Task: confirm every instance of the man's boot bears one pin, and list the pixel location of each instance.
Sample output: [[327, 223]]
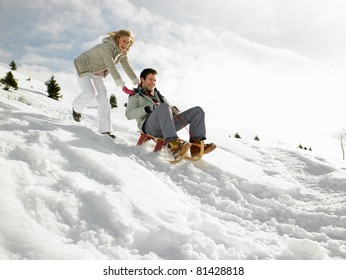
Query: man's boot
[[195, 149], [178, 148]]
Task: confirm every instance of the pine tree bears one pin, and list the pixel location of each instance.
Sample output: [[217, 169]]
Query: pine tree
[[342, 137], [256, 138], [237, 136], [113, 101], [9, 81], [53, 88], [13, 65]]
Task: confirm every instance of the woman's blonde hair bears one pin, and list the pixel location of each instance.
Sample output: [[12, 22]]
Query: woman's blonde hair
[[120, 33]]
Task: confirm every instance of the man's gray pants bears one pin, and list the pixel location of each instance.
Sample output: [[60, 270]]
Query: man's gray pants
[[162, 123]]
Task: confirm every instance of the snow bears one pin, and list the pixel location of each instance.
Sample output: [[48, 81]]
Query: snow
[[68, 192]]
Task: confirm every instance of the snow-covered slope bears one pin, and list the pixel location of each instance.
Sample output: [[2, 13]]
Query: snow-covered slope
[[67, 192]]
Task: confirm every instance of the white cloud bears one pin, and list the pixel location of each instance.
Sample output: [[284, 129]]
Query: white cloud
[[312, 27], [6, 54], [48, 48], [35, 58]]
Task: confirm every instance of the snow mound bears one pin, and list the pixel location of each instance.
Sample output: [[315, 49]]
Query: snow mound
[[69, 193]]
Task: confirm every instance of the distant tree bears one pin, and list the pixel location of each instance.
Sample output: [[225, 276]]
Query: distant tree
[[256, 138], [53, 88], [9, 81], [342, 139], [237, 136], [113, 101], [300, 146], [13, 65]]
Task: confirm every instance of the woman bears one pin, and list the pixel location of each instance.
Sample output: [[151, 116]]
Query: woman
[[93, 66]]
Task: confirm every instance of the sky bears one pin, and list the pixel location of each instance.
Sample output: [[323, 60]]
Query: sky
[[229, 56], [310, 28]]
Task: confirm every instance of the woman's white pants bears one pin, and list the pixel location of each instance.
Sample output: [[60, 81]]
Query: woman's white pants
[[91, 86]]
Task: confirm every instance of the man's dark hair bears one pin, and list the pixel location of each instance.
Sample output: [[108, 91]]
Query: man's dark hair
[[147, 71]]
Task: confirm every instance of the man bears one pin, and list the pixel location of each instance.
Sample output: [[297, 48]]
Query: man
[[156, 117]]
